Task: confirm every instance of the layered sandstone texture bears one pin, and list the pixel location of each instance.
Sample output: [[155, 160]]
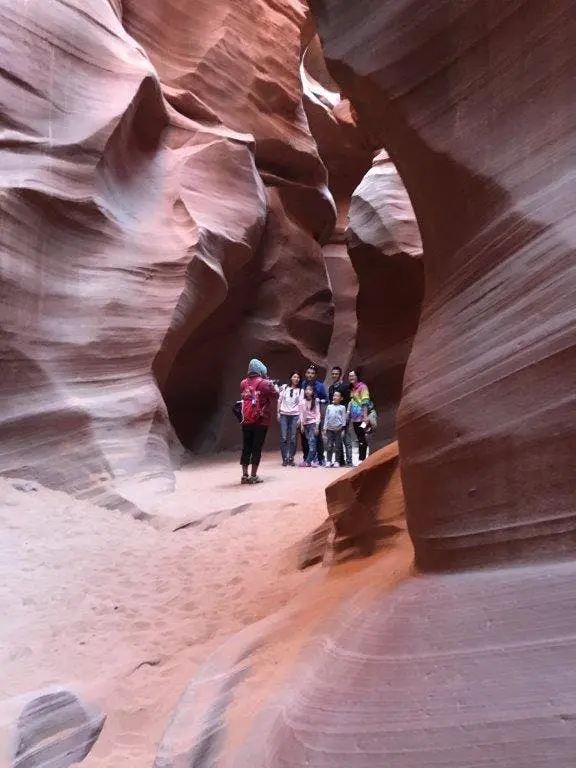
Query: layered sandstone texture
[[365, 510], [385, 250], [473, 101], [163, 205], [374, 254], [347, 157], [480, 126]]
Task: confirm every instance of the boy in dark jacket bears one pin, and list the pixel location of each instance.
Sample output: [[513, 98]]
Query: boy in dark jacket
[[339, 385]]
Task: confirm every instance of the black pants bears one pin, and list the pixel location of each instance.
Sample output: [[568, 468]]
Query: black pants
[[319, 447], [253, 437], [362, 442]]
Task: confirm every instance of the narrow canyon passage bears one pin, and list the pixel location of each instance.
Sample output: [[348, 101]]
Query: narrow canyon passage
[[186, 185]]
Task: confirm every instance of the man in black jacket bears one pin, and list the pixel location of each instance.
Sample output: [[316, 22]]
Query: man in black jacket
[[338, 385]]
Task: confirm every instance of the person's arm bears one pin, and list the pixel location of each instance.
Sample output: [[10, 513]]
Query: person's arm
[[321, 393], [365, 403], [267, 386], [324, 426], [317, 416]]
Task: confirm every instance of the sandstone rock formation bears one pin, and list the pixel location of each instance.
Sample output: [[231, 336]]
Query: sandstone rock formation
[[56, 729], [480, 131], [375, 248], [473, 103], [159, 184], [365, 507], [385, 249], [347, 158]]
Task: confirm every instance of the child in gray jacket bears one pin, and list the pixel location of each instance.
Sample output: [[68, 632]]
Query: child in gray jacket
[[334, 424]]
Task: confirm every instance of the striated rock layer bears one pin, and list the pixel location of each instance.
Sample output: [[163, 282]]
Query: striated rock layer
[[374, 256], [474, 103], [385, 249], [480, 126], [279, 307], [158, 175]]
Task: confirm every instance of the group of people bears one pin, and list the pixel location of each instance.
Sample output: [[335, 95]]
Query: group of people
[[323, 418]]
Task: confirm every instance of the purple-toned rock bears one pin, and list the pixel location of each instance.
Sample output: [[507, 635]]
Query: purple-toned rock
[[386, 251]]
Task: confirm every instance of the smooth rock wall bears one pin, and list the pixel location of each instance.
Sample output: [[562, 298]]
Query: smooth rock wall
[[480, 125], [386, 252], [474, 103], [148, 151]]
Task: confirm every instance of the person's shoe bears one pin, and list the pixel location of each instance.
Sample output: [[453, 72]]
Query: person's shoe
[[245, 480], [291, 462], [255, 480], [303, 464], [315, 464], [284, 462]]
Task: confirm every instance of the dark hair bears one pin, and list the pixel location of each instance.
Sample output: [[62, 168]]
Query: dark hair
[[337, 368], [313, 398], [311, 367], [294, 373], [356, 372]]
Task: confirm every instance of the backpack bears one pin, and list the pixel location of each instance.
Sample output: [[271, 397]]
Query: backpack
[[251, 406], [372, 416], [237, 410]]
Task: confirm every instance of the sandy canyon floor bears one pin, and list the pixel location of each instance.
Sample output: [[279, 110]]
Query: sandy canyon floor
[[125, 611]]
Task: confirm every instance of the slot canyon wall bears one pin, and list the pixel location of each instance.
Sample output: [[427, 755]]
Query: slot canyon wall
[[469, 663], [374, 254], [163, 210], [385, 250], [480, 126]]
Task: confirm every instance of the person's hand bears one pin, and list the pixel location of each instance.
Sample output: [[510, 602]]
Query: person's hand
[[316, 432], [278, 416], [363, 425]]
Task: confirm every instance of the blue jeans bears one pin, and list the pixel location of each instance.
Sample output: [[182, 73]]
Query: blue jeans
[[310, 434], [288, 436]]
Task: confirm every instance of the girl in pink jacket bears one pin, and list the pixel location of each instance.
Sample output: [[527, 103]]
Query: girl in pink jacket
[[309, 423]]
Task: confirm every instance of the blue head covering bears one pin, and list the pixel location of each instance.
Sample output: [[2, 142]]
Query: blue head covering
[[257, 367]]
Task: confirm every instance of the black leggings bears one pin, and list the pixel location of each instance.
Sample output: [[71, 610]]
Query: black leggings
[[361, 437], [253, 437]]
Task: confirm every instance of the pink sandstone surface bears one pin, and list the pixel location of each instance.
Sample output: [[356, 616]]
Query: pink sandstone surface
[[159, 185], [471, 666], [386, 252]]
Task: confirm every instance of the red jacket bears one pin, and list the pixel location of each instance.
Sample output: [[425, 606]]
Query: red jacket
[[267, 396]]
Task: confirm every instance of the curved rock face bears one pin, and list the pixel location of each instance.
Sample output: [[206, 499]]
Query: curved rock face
[[279, 305], [374, 257], [347, 158], [147, 154], [474, 103], [482, 135], [386, 251]]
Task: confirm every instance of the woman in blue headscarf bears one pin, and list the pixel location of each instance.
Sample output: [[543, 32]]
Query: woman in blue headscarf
[[258, 395]]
